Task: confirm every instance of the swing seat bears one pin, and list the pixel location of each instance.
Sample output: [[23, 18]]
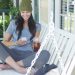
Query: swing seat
[[66, 48]]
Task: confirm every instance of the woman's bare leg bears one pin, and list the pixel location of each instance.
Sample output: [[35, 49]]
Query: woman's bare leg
[[20, 63], [6, 66], [15, 65], [5, 55]]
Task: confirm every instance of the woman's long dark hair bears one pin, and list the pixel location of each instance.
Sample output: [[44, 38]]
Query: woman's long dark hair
[[31, 24]]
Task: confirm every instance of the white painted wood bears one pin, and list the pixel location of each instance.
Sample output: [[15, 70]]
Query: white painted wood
[[67, 51], [67, 68], [57, 12], [66, 47], [59, 45], [53, 72], [61, 49], [9, 72], [71, 66], [65, 42], [43, 32], [33, 7]]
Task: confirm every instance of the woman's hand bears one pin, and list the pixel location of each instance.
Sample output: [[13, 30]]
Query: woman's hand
[[36, 46], [21, 42]]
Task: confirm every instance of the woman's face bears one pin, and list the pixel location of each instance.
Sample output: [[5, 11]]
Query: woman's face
[[26, 15]]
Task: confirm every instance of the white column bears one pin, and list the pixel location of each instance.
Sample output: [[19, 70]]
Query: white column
[[68, 15], [3, 14], [50, 9], [14, 2], [20, 1], [39, 9], [57, 12], [33, 7], [74, 16]]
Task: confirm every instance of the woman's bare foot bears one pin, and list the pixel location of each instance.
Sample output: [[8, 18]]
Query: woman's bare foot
[[21, 70], [4, 66]]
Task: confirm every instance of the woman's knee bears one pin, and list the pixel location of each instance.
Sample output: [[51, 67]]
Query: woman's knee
[[45, 55], [42, 59]]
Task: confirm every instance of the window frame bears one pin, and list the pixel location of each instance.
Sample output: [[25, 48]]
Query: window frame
[[68, 15]]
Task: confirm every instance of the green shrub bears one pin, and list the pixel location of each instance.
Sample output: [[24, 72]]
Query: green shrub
[[5, 4], [7, 20]]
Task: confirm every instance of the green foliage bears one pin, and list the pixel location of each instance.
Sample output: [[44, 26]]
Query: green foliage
[[7, 20], [8, 4], [14, 11], [5, 4], [1, 30]]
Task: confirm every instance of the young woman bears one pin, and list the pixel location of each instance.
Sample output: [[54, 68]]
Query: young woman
[[17, 49]]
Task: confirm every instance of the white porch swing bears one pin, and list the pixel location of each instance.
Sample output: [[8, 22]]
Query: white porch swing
[[61, 46]]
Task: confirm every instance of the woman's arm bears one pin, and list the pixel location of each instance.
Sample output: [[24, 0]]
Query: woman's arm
[[37, 34], [36, 41], [7, 40], [36, 38], [9, 43], [8, 34]]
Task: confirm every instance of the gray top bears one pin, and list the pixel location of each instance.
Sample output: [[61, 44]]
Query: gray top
[[25, 33]]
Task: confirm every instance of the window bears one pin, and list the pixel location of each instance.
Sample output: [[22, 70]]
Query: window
[[67, 15], [41, 8]]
